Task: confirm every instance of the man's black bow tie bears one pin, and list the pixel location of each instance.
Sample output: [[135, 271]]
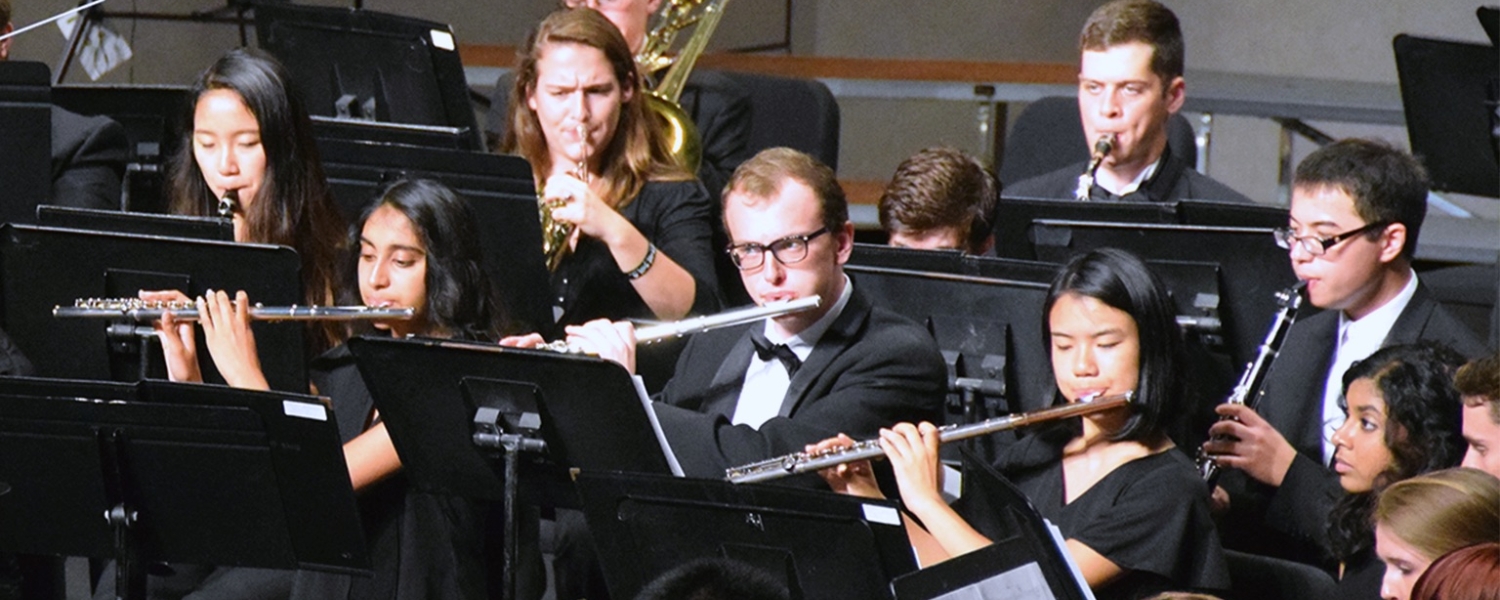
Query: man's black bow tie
[[766, 351]]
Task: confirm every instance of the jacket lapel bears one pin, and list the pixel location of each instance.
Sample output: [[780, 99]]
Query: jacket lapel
[[724, 390], [840, 336]]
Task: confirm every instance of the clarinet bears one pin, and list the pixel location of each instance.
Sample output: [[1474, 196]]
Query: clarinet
[[1251, 386]]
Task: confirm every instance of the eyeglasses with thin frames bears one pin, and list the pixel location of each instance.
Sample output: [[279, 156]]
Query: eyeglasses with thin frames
[[1316, 246], [788, 250]]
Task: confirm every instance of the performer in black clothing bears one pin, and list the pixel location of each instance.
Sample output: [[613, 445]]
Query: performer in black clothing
[[718, 106], [88, 153], [1131, 507], [747, 393], [418, 248], [88, 160], [1357, 208], [850, 366], [1129, 85], [248, 132], [1403, 420], [584, 128]]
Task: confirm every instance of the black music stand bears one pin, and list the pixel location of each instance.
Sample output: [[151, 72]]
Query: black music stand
[[1252, 267], [1025, 560], [26, 145], [1450, 91], [450, 406], [370, 65], [182, 472], [910, 259], [501, 191], [114, 221], [989, 331], [1014, 217], [43, 267], [822, 545], [1230, 214]]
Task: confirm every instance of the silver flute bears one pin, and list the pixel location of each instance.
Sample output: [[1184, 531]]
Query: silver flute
[[142, 311], [647, 334], [1102, 148], [804, 462]]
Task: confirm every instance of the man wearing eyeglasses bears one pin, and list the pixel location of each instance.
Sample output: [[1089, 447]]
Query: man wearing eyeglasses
[[1357, 207], [747, 393]]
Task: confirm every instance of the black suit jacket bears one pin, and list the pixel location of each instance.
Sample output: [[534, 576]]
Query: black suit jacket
[[1293, 404], [88, 160], [871, 369], [1174, 180]]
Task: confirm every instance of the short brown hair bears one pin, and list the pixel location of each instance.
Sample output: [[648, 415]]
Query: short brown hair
[[4, 12], [762, 175], [1479, 383], [941, 187], [1145, 21], [1387, 184]]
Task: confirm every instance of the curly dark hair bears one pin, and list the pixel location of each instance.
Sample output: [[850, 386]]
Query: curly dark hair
[[1424, 430], [461, 300]]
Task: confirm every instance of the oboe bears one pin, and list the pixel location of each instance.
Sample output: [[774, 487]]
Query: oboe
[[803, 462], [141, 311], [1102, 148], [664, 331], [1251, 386]]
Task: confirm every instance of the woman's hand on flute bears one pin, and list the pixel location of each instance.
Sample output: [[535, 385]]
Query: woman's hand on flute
[[852, 478], [179, 344], [226, 330], [913, 452], [577, 203], [610, 340]]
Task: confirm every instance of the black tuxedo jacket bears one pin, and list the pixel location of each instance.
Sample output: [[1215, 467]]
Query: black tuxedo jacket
[[871, 369], [1174, 180], [1293, 404], [88, 160]]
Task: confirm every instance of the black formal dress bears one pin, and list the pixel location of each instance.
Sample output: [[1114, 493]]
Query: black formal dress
[[1290, 521], [1149, 516], [1173, 180], [88, 160], [673, 215]]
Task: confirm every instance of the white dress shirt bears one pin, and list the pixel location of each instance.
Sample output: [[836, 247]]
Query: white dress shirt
[[766, 381], [1357, 340]]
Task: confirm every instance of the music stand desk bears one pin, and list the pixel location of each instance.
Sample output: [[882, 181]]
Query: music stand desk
[[201, 474], [823, 545]]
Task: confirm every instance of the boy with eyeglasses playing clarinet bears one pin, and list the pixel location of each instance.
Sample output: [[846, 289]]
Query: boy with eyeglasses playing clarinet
[[1357, 207]]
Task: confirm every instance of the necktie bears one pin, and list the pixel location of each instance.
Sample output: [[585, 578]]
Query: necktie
[[766, 351]]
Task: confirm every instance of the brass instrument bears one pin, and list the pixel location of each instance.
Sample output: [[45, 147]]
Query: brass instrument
[[555, 233], [142, 311], [1102, 148], [664, 331], [803, 462], [676, 15], [1248, 390]]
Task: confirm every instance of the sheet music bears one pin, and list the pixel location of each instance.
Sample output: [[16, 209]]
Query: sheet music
[[1062, 547], [661, 438], [1025, 581]]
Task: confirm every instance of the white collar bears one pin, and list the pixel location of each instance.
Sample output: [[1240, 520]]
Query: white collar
[[1373, 327], [802, 343]]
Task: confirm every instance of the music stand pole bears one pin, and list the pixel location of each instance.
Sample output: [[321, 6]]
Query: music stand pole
[[487, 435]]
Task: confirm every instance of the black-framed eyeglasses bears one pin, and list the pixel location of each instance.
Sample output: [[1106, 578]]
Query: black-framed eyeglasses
[[788, 250], [1316, 246]]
